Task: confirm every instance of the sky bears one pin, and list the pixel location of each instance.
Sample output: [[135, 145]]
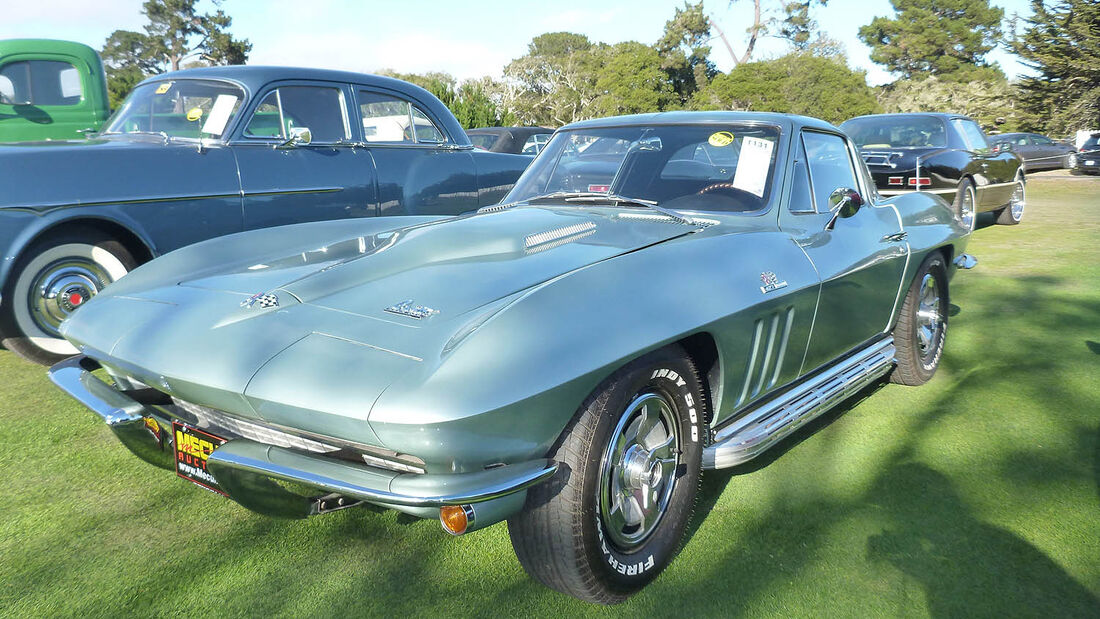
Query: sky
[[465, 39]]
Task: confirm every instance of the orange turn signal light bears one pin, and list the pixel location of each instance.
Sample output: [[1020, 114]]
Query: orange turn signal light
[[454, 519]]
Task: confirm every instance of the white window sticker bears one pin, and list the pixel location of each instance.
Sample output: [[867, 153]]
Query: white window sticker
[[219, 114], [753, 165]]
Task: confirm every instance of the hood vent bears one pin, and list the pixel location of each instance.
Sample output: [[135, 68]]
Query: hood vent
[[558, 236]]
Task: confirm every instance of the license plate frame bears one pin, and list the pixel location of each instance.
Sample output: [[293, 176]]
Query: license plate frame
[[192, 447]]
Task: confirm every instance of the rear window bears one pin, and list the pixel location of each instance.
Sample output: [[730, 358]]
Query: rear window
[[896, 132], [39, 82], [1092, 143]]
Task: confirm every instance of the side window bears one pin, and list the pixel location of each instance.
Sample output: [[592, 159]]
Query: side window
[[830, 166], [426, 131], [1022, 140], [40, 82], [535, 143], [391, 119], [973, 135], [1042, 140], [319, 109], [802, 198]]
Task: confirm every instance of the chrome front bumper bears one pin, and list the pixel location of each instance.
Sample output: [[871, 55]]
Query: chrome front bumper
[[250, 472]]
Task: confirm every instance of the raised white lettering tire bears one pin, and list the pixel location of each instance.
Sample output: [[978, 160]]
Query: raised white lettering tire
[[615, 513]]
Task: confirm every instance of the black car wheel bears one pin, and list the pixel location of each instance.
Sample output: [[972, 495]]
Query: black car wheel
[[630, 462], [1013, 212], [53, 278], [1070, 161], [966, 204], [921, 328]]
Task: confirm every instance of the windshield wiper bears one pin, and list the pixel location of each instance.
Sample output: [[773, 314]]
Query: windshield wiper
[[619, 199]]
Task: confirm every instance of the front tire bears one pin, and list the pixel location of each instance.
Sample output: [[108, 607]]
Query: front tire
[[55, 276], [921, 329], [614, 515]]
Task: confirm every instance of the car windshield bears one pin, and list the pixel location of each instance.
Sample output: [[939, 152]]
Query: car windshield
[[896, 132], [186, 108], [681, 167]]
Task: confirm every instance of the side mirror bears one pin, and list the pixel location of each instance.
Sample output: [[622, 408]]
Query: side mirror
[[299, 136], [843, 203]]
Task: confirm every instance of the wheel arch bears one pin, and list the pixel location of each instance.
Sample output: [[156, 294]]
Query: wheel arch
[[138, 246], [703, 350]]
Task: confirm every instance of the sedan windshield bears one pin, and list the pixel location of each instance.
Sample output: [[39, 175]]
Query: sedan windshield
[[896, 132], [681, 167], [178, 108]]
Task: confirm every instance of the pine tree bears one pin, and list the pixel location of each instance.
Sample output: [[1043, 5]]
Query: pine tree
[[1062, 43]]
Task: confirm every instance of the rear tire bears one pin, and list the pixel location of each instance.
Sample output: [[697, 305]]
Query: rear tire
[[1070, 161], [921, 329], [614, 515], [1012, 213], [54, 277], [966, 204]]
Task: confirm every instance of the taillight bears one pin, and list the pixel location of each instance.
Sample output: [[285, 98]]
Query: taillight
[[920, 182], [896, 180]]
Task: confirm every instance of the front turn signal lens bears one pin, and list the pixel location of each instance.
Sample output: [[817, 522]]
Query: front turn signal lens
[[454, 519]]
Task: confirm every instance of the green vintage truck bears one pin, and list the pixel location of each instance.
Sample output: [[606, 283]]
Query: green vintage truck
[[50, 90]]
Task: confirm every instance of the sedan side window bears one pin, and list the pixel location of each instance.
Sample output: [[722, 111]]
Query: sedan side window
[[391, 119], [321, 110], [830, 166]]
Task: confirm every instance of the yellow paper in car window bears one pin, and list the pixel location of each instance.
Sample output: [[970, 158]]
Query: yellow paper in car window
[[721, 138], [753, 165], [163, 88], [194, 114]]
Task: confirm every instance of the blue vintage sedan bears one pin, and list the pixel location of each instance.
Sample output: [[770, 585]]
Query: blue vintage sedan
[[206, 152]]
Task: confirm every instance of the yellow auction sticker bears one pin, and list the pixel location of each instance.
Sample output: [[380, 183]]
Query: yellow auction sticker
[[721, 138], [194, 114], [163, 88]]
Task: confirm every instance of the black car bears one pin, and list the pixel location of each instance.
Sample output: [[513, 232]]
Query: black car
[[516, 140], [1088, 160], [946, 154], [1038, 151]]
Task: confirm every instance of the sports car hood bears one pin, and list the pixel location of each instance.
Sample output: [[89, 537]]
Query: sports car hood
[[385, 298]]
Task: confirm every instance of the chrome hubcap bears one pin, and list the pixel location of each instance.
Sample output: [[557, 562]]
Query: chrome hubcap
[[1018, 201], [60, 288], [1071, 161], [929, 317], [966, 209], [638, 471]]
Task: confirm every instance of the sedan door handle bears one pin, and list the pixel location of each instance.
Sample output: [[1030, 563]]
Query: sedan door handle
[[896, 237]]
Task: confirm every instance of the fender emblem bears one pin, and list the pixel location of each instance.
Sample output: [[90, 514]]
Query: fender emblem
[[771, 282], [264, 300], [408, 308]]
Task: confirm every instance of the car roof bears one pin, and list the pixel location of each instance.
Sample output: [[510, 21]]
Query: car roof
[[940, 115], [255, 77], [703, 118]]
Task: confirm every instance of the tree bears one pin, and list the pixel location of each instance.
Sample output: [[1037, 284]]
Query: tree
[[945, 38], [797, 27], [756, 30], [993, 103], [1062, 43], [555, 82], [175, 34], [475, 103], [684, 51], [630, 81], [798, 83]]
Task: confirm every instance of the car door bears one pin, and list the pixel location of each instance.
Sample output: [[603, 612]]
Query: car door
[[42, 97], [860, 259], [1048, 154], [420, 170], [1024, 148], [286, 180]]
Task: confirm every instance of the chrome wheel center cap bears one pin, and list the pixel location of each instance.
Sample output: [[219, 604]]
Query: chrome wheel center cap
[[640, 469]]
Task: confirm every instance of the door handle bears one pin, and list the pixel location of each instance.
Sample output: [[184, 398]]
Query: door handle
[[896, 237]]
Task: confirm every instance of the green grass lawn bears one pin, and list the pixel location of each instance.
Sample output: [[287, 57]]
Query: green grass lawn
[[975, 495]]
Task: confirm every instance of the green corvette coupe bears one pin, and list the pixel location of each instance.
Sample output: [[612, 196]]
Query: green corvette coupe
[[657, 296]]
